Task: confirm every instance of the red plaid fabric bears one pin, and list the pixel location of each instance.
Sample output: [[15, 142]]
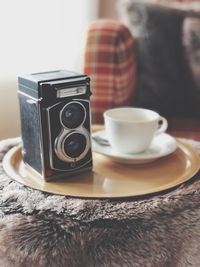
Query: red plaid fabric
[[110, 63]]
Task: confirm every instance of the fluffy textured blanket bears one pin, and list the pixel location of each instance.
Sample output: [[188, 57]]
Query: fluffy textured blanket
[[39, 229]]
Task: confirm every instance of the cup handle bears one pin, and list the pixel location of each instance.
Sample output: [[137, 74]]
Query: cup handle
[[163, 127]]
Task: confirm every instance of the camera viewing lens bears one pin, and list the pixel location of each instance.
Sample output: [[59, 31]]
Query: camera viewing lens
[[74, 145], [73, 115]]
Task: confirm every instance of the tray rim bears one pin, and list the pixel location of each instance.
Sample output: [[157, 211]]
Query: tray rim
[[180, 180]]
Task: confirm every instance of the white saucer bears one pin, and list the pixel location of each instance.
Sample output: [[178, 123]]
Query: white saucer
[[162, 145]]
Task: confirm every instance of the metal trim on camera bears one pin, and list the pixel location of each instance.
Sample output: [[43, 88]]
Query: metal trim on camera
[[69, 118]]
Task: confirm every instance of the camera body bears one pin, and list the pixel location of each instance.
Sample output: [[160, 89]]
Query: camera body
[[55, 123]]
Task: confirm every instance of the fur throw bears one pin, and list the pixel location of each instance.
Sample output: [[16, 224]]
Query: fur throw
[[40, 229]]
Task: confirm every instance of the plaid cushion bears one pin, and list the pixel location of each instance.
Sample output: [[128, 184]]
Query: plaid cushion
[[110, 63]]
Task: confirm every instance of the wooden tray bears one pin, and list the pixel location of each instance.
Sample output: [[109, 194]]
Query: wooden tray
[[110, 179]]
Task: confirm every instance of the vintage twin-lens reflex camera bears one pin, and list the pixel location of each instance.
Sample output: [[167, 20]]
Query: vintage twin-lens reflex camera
[[55, 123]]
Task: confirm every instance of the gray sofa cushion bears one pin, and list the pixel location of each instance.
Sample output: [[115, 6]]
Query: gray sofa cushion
[[164, 77]]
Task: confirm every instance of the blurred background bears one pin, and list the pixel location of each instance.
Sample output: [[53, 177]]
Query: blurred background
[[41, 35], [45, 35]]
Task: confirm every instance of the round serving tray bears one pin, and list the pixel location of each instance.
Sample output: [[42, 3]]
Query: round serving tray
[[110, 179]]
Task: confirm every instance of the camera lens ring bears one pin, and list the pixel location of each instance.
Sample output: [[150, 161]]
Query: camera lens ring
[[82, 154], [60, 145], [77, 115]]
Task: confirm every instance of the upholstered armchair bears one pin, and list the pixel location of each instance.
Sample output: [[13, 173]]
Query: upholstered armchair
[[151, 61]]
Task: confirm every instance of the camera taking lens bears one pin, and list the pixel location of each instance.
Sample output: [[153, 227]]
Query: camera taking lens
[[74, 145]]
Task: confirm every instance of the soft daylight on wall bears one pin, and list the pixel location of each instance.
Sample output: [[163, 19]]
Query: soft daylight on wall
[[38, 36]]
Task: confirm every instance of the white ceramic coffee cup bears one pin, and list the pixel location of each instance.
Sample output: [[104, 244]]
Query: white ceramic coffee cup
[[131, 130]]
